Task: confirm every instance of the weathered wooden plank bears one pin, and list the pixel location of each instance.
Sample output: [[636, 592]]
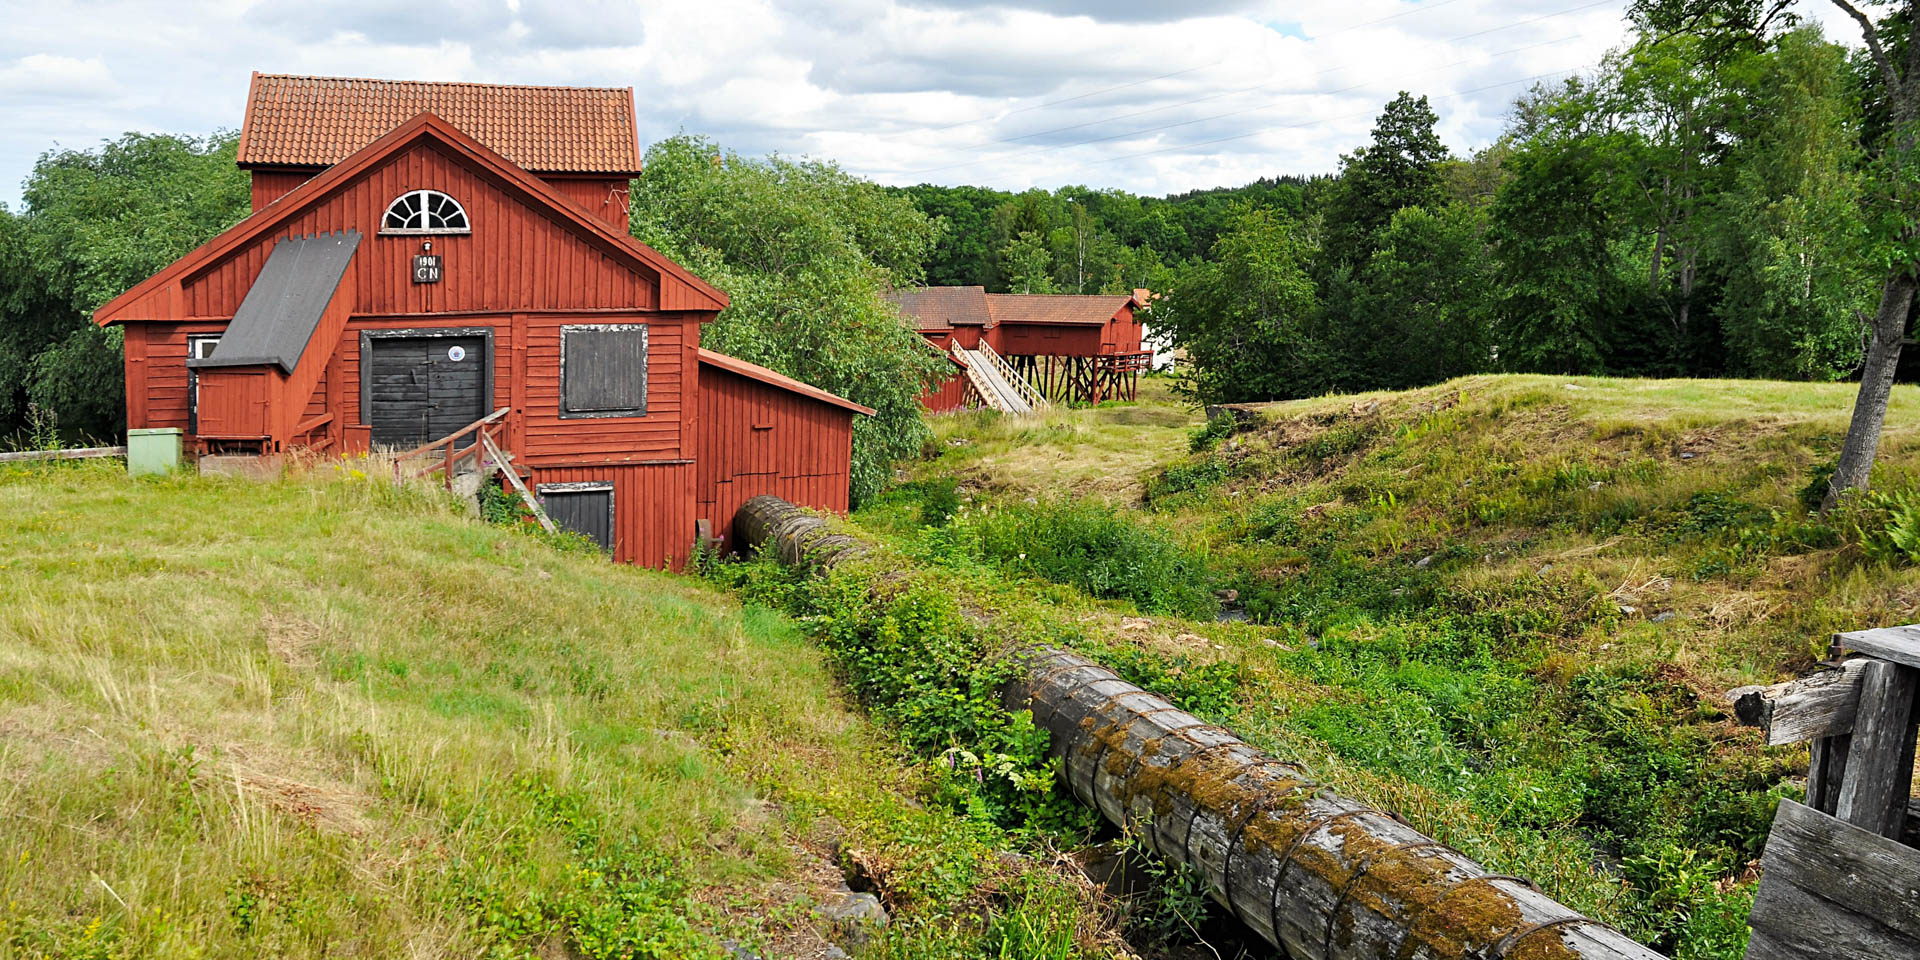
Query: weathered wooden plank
[[1826, 770], [1789, 923], [1879, 777], [1830, 889], [1817, 705], [1898, 644], [76, 453], [1864, 872]]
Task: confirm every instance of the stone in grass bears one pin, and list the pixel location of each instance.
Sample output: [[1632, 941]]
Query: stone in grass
[[857, 914]]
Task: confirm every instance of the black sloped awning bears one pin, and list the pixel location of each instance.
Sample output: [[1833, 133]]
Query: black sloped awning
[[283, 307]]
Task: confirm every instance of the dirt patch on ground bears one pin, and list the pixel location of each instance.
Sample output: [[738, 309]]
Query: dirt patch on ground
[[290, 638], [291, 785]]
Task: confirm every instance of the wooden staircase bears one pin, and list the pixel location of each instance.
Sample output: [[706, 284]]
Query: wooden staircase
[[998, 385], [477, 448]]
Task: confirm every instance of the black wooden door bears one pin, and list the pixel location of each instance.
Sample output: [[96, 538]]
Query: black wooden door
[[586, 512], [423, 388]]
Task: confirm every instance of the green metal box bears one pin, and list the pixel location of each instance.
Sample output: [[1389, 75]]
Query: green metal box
[[153, 450]]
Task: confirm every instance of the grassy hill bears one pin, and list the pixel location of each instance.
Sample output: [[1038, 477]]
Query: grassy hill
[[1505, 607], [329, 716]]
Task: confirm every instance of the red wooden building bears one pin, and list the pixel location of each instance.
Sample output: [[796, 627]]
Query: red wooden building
[[1069, 348], [423, 257]]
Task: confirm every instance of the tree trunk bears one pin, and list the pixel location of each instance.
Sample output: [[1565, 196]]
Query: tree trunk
[[1876, 385]]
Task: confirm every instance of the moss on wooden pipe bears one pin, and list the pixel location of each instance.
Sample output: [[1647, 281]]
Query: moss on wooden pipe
[[1314, 872]]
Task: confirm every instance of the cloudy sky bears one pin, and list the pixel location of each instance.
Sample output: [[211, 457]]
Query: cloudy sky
[[1148, 96]]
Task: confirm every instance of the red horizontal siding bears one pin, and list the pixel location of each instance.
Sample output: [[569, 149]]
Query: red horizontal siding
[[1040, 339]]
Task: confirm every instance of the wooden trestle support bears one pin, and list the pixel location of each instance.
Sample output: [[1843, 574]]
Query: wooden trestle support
[[1090, 380]]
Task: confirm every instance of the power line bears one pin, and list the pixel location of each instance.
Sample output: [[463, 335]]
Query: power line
[[1169, 126], [1287, 126], [1422, 9]]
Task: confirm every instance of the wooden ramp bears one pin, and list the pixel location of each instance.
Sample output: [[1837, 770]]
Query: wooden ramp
[[1000, 387]]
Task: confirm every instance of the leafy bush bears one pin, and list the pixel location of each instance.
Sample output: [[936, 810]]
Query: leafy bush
[[1217, 428], [1818, 481], [919, 667], [804, 251], [939, 502], [1092, 546], [1200, 473], [1887, 526]]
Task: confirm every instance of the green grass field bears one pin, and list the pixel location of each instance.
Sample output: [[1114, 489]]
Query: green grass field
[[1505, 607], [328, 716]]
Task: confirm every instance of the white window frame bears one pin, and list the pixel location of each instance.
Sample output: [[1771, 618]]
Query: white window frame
[[421, 214], [195, 341]]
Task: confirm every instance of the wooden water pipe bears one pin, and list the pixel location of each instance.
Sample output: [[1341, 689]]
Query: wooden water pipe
[[1317, 874]]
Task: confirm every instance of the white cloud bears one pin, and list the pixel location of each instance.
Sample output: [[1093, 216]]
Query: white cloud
[[1148, 96], [41, 78]]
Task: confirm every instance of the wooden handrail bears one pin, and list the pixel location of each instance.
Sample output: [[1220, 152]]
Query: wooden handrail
[[312, 425], [463, 431], [1013, 378]]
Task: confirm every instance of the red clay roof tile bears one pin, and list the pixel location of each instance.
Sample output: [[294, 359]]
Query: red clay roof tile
[[319, 121], [938, 308], [1053, 308]]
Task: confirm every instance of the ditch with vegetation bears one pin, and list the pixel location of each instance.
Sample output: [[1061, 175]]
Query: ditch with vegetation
[[1505, 608]]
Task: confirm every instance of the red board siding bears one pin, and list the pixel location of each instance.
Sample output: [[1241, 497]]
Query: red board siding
[[161, 369], [606, 199], [517, 257], [653, 508], [658, 435], [949, 396], [1046, 339], [233, 402], [755, 438], [1123, 334], [271, 185]]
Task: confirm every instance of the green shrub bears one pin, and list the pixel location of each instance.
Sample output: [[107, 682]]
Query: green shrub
[[939, 501], [1818, 480], [1217, 428], [1887, 526], [1200, 473], [1092, 546], [911, 657]]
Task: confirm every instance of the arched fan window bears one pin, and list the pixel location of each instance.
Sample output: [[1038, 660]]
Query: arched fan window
[[425, 211]]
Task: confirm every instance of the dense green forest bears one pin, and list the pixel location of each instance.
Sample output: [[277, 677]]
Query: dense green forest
[[1696, 206], [1701, 204]]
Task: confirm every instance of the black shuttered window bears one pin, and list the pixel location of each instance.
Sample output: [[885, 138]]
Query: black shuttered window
[[603, 370]]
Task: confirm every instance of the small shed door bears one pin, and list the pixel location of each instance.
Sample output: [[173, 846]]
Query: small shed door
[[584, 508], [423, 388]]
